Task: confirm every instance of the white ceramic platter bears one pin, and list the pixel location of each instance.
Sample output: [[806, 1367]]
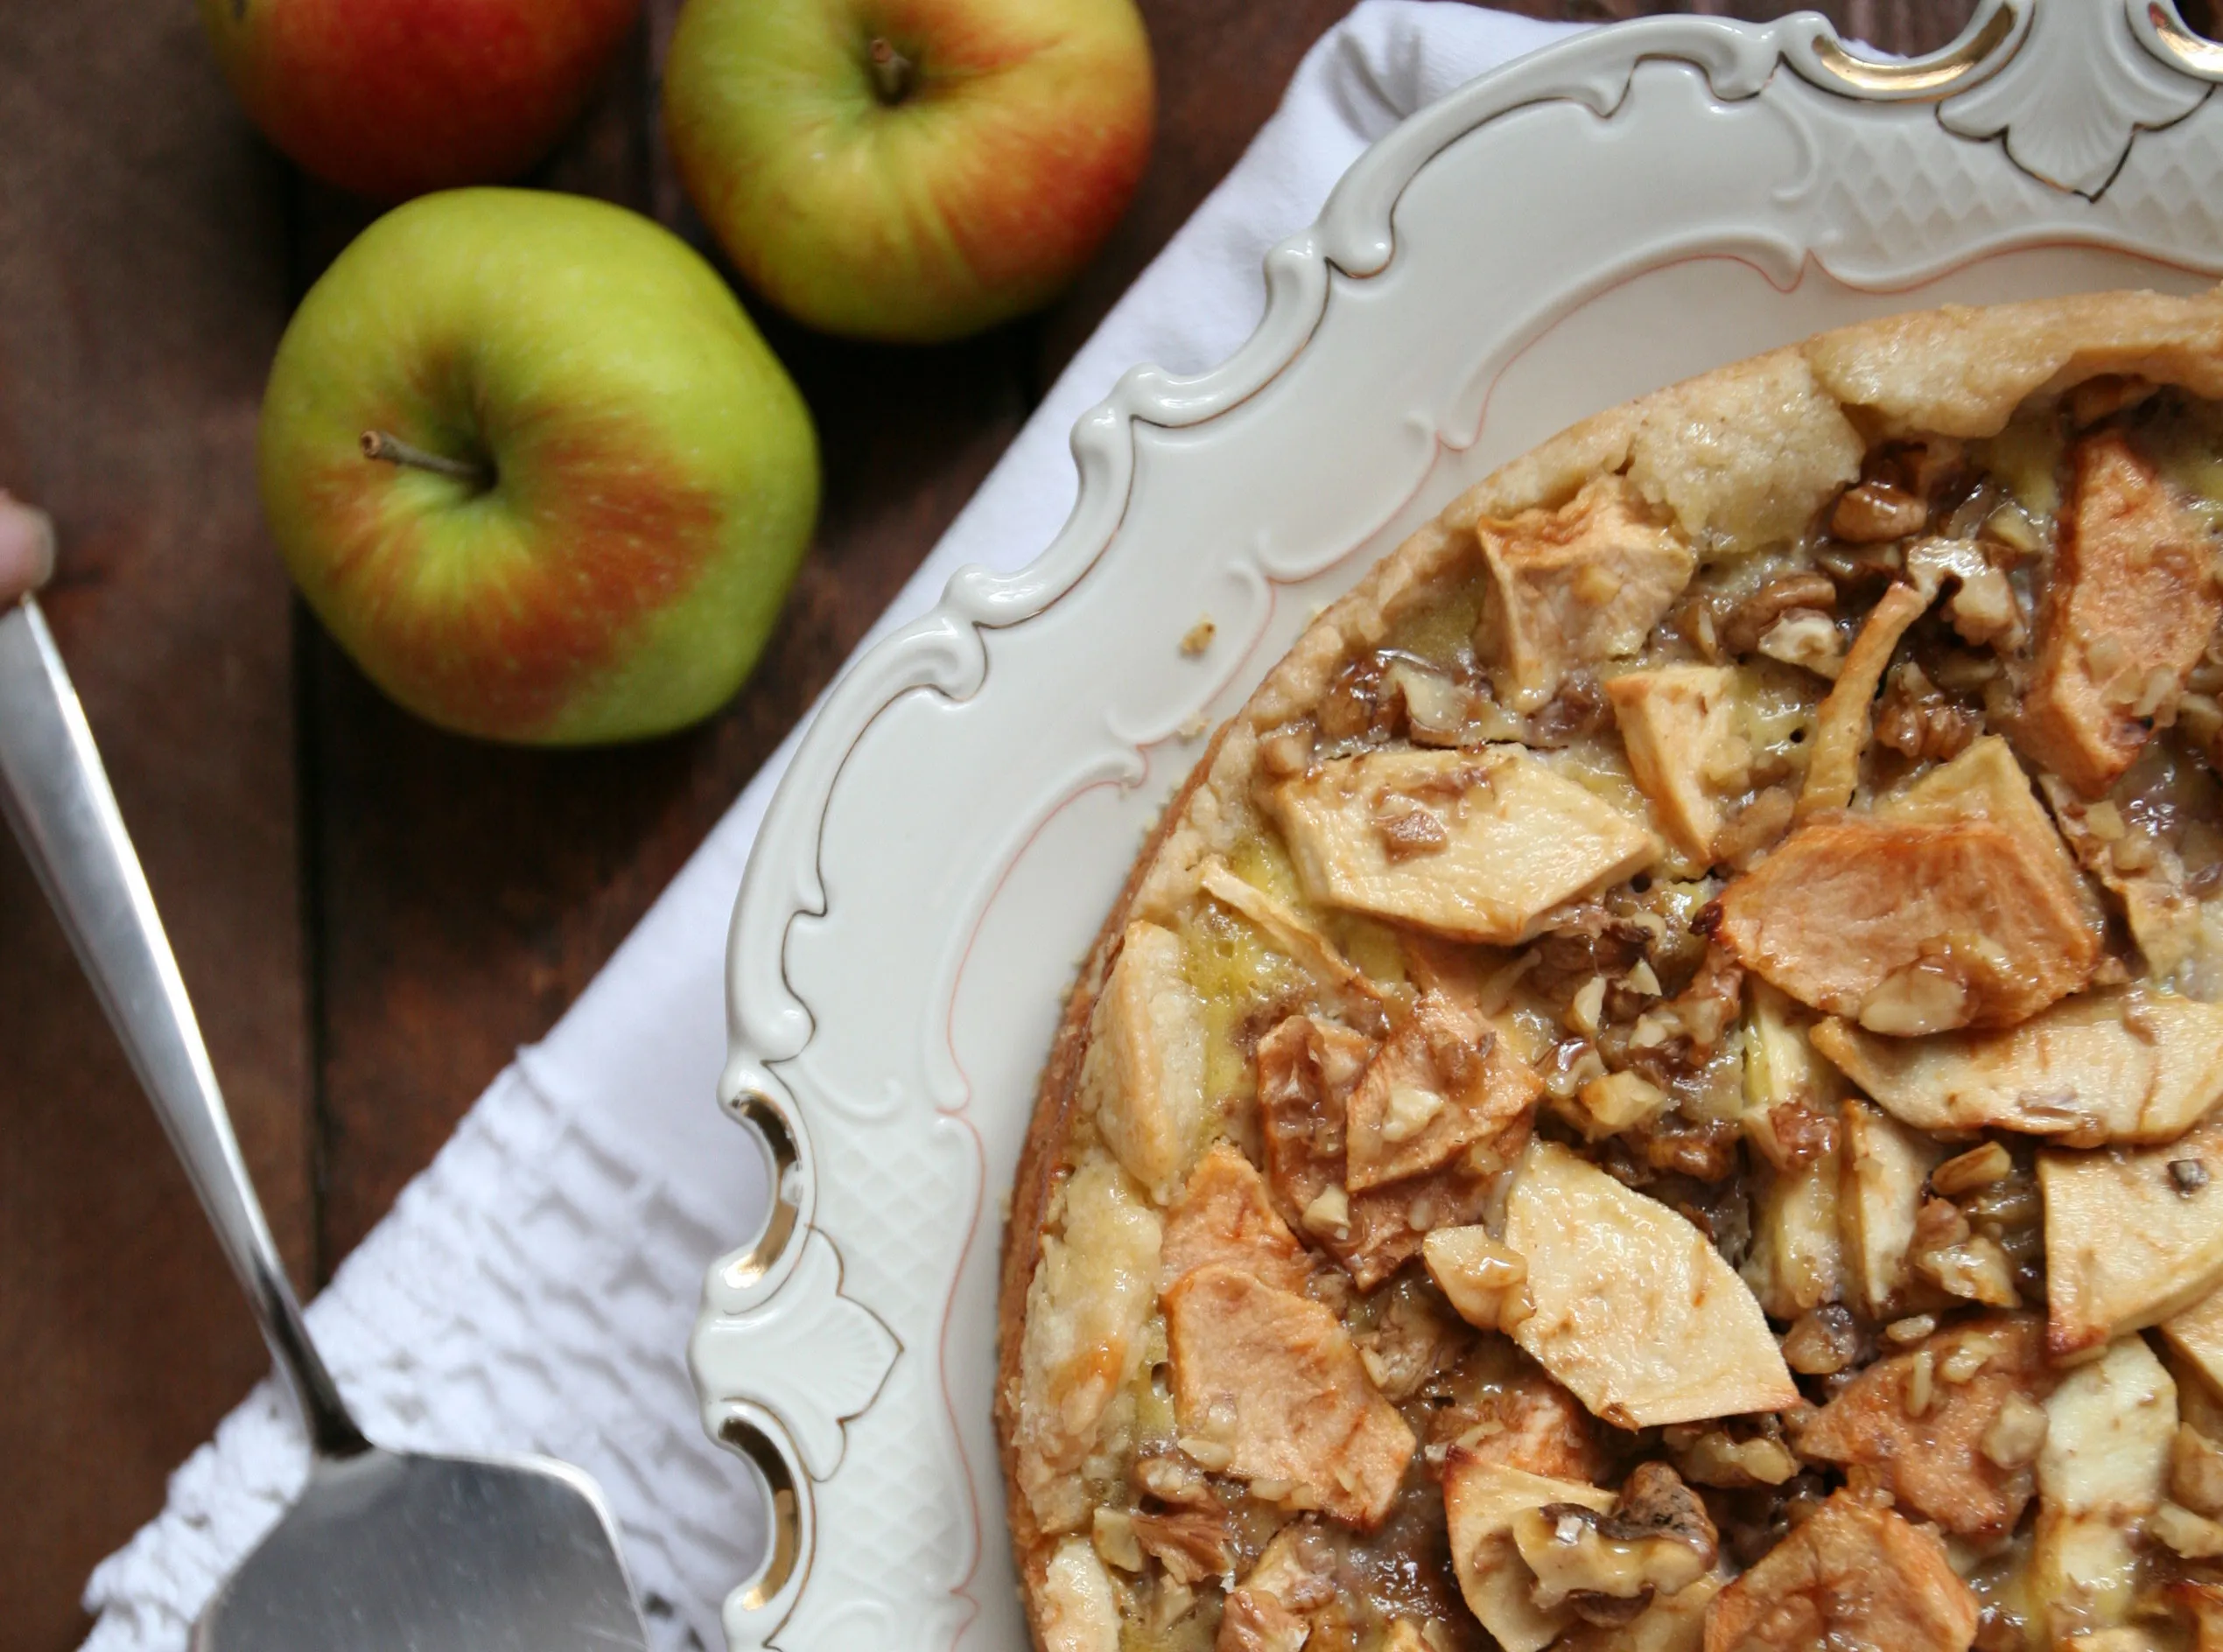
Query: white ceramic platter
[[1602, 218]]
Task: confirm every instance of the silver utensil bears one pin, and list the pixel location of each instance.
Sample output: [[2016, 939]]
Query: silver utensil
[[386, 1552]]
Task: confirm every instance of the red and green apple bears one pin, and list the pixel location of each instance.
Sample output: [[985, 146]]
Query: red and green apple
[[535, 470], [910, 170], [391, 98]]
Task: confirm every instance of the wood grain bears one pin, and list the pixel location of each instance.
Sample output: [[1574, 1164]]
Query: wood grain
[[142, 288], [372, 914]]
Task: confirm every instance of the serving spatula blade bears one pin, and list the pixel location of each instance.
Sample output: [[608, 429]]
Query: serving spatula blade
[[385, 1551]]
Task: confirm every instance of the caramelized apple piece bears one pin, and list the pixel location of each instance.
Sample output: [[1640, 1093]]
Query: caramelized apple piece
[[1911, 928], [1843, 725], [2132, 1236], [2130, 603], [1927, 1424], [1508, 839], [1679, 726], [1307, 1070], [1953, 903], [1267, 1382], [1481, 1501], [1853, 1576], [2197, 1334], [1886, 1166], [1792, 1118], [2102, 1472], [1634, 1309], [1143, 1076], [1444, 1084], [1344, 983], [1503, 1410], [1573, 586], [2131, 1066], [1224, 1214]]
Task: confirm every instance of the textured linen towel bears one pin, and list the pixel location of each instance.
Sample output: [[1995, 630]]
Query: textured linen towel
[[535, 1288]]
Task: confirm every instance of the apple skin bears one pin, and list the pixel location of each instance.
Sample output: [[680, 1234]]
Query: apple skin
[[391, 98], [976, 198], [654, 472]]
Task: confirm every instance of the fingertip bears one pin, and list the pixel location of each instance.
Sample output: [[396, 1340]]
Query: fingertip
[[26, 547]]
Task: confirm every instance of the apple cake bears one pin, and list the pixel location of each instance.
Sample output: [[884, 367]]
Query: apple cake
[[1653, 1091]]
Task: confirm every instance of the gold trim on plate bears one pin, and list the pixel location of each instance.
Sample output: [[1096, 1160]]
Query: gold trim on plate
[[785, 1515], [768, 1118], [1936, 76], [2195, 53]]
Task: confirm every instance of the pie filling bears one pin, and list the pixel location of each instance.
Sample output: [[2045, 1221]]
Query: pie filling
[[1683, 1119]]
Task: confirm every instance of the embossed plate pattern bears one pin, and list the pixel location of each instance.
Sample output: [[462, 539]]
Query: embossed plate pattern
[[1604, 217]]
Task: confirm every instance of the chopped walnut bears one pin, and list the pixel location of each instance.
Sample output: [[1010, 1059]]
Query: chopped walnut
[[1756, 616], [1586, 940], [1985, 612], [1807, 639], [1656, 1541], [1412, 830], [1958, 1260], [1873, 512], [1825, 1341], [1918, 723], [1357, 708], [1800, 1133], [1191, 1543], [1735, 1452]]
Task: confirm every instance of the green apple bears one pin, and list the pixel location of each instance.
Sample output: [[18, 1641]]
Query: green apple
[[911, 169], [533, 469]]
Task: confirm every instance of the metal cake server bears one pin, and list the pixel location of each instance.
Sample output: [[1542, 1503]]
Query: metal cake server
[[386, 1552]]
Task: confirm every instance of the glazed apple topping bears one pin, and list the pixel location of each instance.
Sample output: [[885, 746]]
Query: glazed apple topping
[[1678, 1111]]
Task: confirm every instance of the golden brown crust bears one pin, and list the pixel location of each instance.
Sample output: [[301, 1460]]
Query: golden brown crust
[[1040, 1158], [1954, 371]]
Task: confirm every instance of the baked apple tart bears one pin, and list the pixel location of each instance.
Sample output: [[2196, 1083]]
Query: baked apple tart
[[1653, 1091]]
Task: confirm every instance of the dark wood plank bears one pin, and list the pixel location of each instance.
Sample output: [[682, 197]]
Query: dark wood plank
[[142, 288]]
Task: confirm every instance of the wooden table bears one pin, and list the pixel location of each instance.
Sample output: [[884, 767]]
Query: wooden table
[[373, 915]]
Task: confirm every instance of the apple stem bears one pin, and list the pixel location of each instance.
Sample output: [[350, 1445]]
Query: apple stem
[[892, 73], [382, 444]]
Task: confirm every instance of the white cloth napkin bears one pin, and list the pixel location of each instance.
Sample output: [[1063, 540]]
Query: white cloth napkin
[[535, 1288]]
